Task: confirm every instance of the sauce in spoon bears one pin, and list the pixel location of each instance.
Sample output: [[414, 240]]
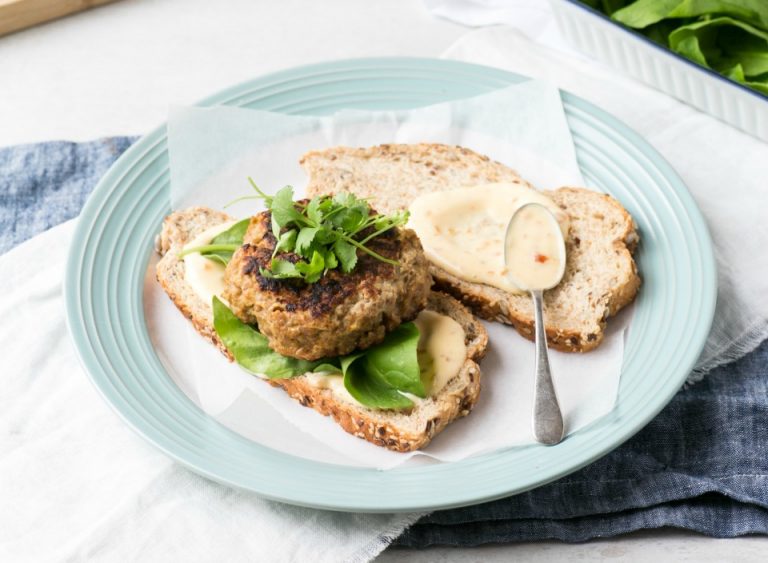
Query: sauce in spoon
[[534, 254], [534, 249]]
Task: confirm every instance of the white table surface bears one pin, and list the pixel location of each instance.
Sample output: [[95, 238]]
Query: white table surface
[[116, 70]]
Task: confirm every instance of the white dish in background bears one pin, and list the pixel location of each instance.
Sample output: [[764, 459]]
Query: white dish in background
[[595, 34]]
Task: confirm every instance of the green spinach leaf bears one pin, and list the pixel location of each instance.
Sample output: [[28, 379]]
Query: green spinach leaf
[[728, 36], [375, 377], [250, 348], [372, 391], [232, 236], [643, 13], [222, 246]]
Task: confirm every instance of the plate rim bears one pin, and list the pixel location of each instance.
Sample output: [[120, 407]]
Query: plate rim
[[157, 137]]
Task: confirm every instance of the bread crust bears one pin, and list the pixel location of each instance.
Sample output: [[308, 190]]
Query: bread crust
[[395, 430]]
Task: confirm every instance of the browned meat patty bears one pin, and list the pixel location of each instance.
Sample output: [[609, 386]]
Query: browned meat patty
[[339, 313]]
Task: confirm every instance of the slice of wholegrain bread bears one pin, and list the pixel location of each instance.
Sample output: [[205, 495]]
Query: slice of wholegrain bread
[[601, 275], [396, 430]]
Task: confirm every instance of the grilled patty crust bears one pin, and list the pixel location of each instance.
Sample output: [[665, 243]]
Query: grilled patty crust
[[339, 313]]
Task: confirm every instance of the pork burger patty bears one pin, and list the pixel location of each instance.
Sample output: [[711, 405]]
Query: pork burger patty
[[339, 313]]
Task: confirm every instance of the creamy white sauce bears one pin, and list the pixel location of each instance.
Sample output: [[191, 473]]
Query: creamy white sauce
[[441, 352], [463, 230], [534, 247], [441, 349], [332, 381], [204, 276]]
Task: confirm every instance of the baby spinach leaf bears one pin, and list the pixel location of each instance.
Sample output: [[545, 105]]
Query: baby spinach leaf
[[327, 367], [233, 235], [223, 245], [729, 46], [728, 36], [375, 377], [250, 348], [371, 390], [642, 13], [606, 6], [395, 360], [752, 63], [690, 48]]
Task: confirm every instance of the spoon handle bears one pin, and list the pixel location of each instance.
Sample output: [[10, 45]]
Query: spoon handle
[[547, 418]]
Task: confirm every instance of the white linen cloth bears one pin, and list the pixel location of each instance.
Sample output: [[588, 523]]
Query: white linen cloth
[[725, 170], [78, 485]]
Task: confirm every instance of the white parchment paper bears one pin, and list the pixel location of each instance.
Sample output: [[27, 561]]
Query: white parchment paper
[[214, 150]]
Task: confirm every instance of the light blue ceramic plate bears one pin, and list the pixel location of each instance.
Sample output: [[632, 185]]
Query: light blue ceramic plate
[[113, 242]]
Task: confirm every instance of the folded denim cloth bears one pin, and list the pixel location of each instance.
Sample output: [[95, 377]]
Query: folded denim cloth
[[42, 185], [701, 464]]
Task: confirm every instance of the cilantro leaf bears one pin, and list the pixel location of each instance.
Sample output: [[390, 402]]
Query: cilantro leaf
[[331, 262], [304, 240], [284, 209], [324, 234], [286, 242], [347, 255], [280, 269], [315, 211], [312, 271]]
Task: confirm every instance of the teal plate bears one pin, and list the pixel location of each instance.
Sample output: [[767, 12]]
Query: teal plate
[[114, 239]]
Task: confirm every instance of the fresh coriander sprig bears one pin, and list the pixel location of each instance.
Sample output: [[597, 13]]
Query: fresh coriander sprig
[[325, 233]]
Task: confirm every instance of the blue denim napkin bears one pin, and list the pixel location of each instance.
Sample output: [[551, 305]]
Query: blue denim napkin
[[45, 184], [702, 464]]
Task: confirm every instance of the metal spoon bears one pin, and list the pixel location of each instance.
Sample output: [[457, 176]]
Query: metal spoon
[[522, 261]]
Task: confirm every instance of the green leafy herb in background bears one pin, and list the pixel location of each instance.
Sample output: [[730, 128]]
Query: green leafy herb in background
[[728, 36], [375, 377]]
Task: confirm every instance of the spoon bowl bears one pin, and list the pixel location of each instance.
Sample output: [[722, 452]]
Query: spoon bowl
[[534, 256]]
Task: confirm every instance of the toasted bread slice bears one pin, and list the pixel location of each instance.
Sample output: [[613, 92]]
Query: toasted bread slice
[[601, 275], [400, 431]]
